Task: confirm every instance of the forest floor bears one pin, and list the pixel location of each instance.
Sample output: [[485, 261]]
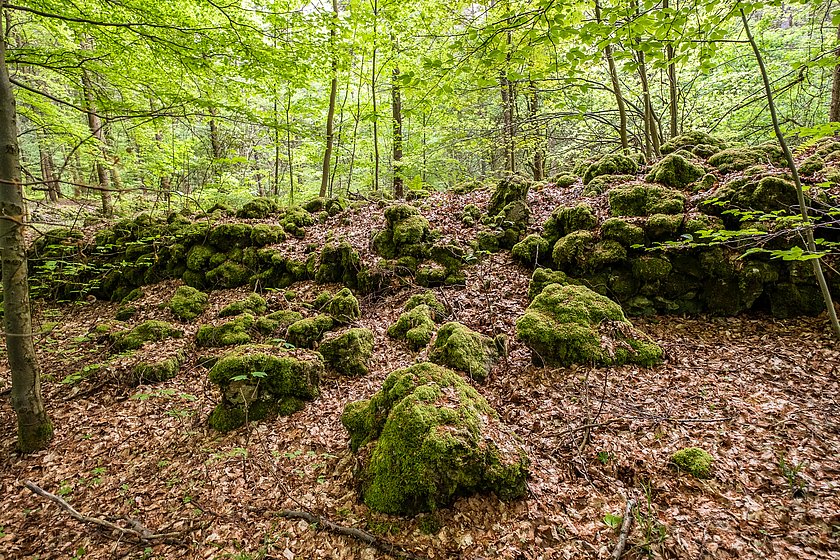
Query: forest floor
[[760, 394]]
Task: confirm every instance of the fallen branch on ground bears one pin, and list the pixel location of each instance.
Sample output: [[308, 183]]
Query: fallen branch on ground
[[625, 529], [138, 532]]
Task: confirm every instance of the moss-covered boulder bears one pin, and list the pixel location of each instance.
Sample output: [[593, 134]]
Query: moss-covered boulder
[[675, 171], [532, 251], [259, 208], [294, 219], [573, 250], [428, 439], [604, 183], [229, 274], [188, 303], [416, 326], [693, 460], [254, 304], [567, 219], [339, 262], [227, 334], [612, 164], [739, 159], [645, 200], [231, 236], [427, 298], [260, 381], [150, 331], [471, 215], [348, 353], [622, 231], [336, 205], [343, 307], [567, 325], [266, 234], [315, 205], [406, 233], [460, 348], [512, 188], [156, 371], [768, 194], [306, 333], [699, 143], [276, 323], [542, 277], [664, 227]]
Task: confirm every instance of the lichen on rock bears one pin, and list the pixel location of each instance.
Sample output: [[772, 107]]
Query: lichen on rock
[[430, 438], [458, 347], [348, 353]]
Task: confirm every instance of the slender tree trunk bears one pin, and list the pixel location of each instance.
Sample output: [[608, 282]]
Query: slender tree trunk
[[95, 124], [373, 100], [673, 93], [425, 154], [616, 85], [396, 109], [357, 116], [78, 176], [539, 148], [275, 187], [834, 110], [215, 143], [325, 171], [507, 122], [289, 153], [34, 427], [809, 229], [48, 173]]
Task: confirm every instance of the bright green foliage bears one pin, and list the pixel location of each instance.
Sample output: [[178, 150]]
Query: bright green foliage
[[259, 381], [463, 349], [339, 263], [349, 353], [188, 303], [227, 334], [343, 307], [253, 304], [512, 188], [277, 322], [416, 327], [645, 200], [567, 325], [427, 298], [618, 229], [532, 250], [406, 233], [157, 371], [675, 171], [694, 461], [433, 438], [568, 219], [150, 331], [699, 143], [612, 164], [738, 159], [306, 333]]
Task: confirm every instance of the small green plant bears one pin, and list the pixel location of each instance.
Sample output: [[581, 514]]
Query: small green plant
[[604, 457], [613, 521], [65, 489], [790, 472], [654, 532]]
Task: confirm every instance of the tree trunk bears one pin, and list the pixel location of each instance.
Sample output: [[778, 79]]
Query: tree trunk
[[48, 173], [34, 427], [289, 153], [373, 100], [673, 93], [325, 170], [539, 148], [619, 98], [396, 109], [95, 124], [834, 110], [507, 122], [215, 143]]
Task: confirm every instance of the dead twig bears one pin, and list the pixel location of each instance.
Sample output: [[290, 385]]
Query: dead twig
[[626, 525], [138, 532]]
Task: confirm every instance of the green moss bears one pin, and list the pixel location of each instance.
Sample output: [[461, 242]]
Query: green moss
[[542, 277], [651, 270], [612, 164], [259, 208], [188, 303], [277, 322], [532, 250], [471, 215], [231, 236], [285, 374], [624, 232], [228, 275], [339, 263], [564, 180], [463, 349], [695, 141], [343, 307], [315, 205], [738, 159], [567, 219], [812, 165], [322, 299], [150, 331], [512, 188], [225, 418], [605, 253], [265, 234], [198, 258], [427, 298], [306, 333], [125, 312], [295, 219], [566, 325], [416, 327], [788, 299], [253, 304], [349, 353], [157, 371], [768, 194], [133, 295], [675, 171], [226, 334], [604, 183], [336, 205], [573, 249], [644, 200], [433, 438], [694, 461], [406, 233], [661, 227]]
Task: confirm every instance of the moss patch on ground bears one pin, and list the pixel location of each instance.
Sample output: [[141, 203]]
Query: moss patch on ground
[[463, 349], [227, 334], [416, 326], [348, 353], [150, 331], [253, 304]]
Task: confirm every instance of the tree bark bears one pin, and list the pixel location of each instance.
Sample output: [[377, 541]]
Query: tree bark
[[539, 147], [34, 427], [673, 93], [396, 109], [215, 143], [834, 110], [616, 85], [95, 124], [325, 170], [48, 173], [289, 153], [373, 100]]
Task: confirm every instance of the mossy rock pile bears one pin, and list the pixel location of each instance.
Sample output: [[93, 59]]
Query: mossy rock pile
[[675, 171], [698, 143], [741, 158], [340, 263], [254, 304], [428, 438], [276, 323], [406, 233], [460, 348], [259, 208], [348, 353], [507, 214], [445, 268], [532, 251], [612, 164], [307, 333], [567, 219], [150, 331], [645, 200], [511, 188], [260, 381], [230, 333], [542, 277], [156, 371], [767, 194], [416, 325], [604, 183], [567, 325], [188, 303]]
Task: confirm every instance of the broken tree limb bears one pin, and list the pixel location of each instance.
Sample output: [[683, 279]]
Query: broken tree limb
[[626, 525], [358, 534], [138, 532]]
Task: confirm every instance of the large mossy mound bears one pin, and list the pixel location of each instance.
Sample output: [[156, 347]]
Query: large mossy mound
[[739, 159], [306, 333], [699, 143], [569, 324], [612, 164], [508, 214], [416, 326], [675, 171], [188, 303], [566, 219], [768, 194], [340, 263], [259, 208], [258, 381], [348, 353], [150, 331], [406, 233], [253, 304], [511, 188], [156, 371], [645, 200], [460, 348], [227, 334], [532, 251], [343, 307], [428, 439]]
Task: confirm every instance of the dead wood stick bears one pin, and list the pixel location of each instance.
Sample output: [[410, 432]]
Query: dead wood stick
[[357, 534], [625, 529], [139, 532]]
